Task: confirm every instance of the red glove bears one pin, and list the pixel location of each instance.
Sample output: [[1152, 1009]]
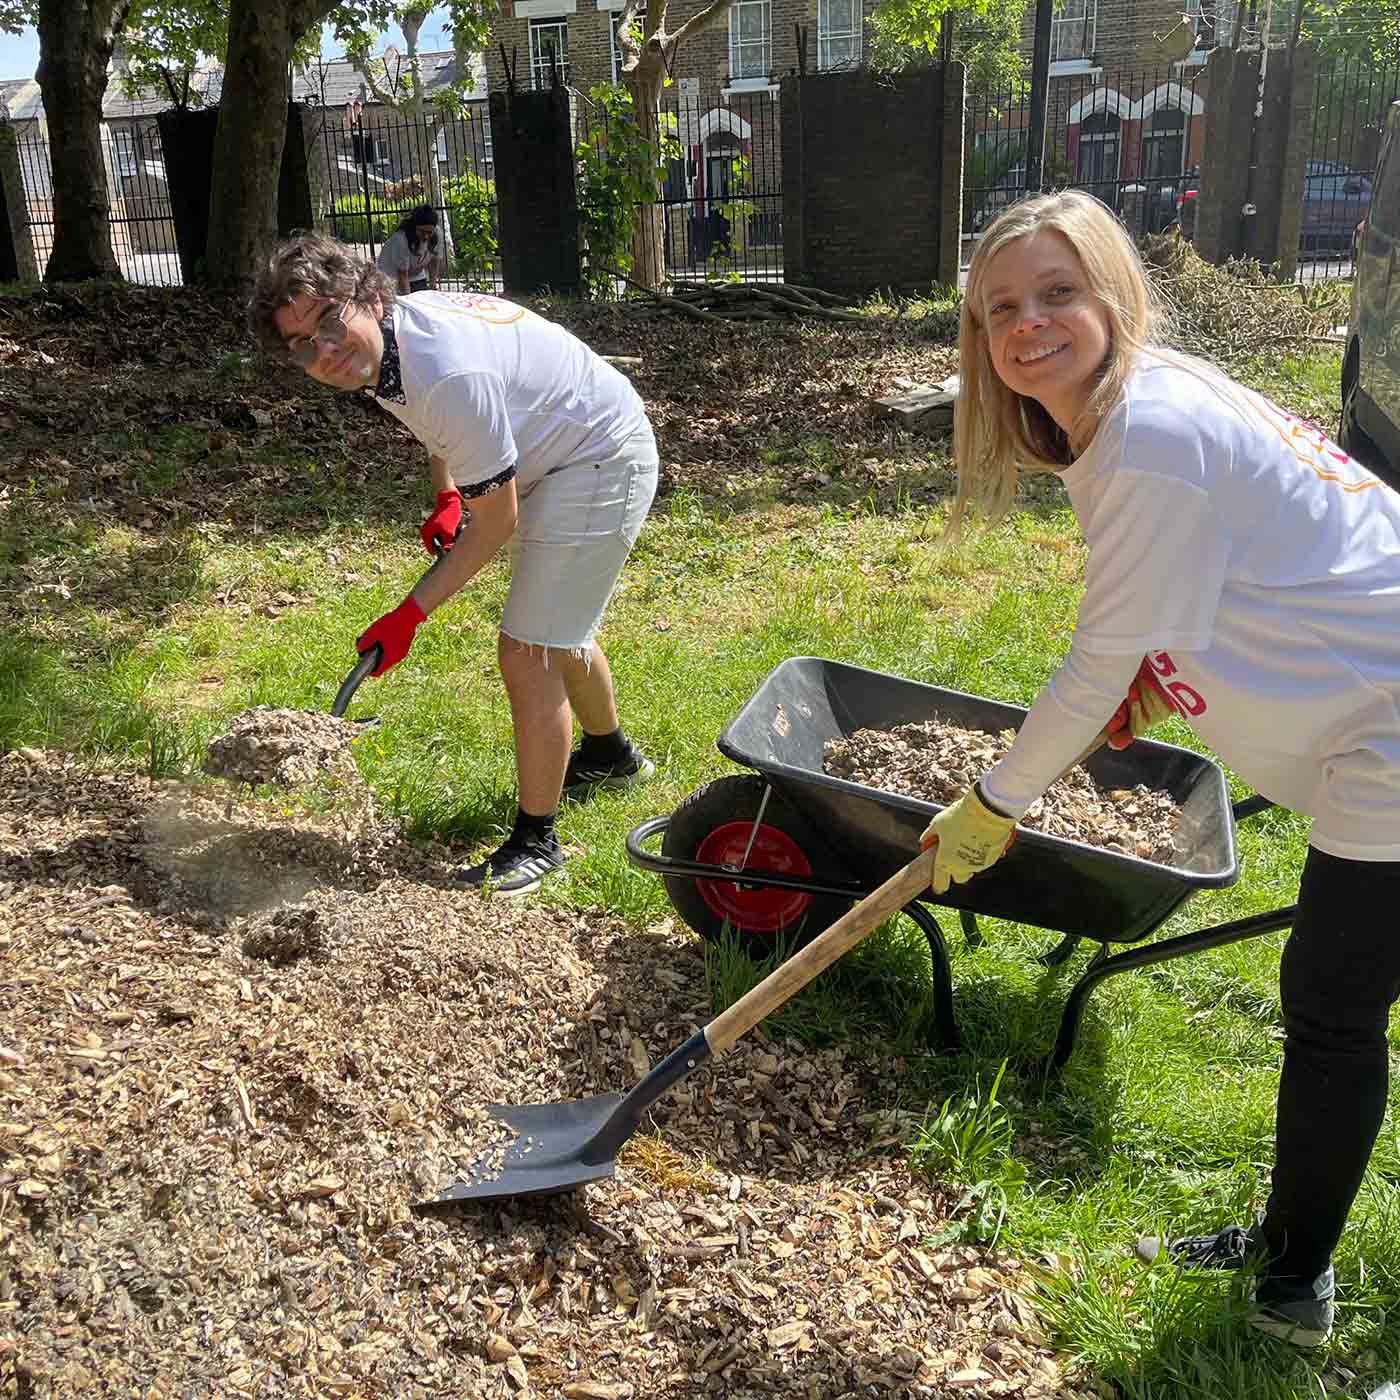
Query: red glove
[[394, 633], [1146, 704], [443, 526]]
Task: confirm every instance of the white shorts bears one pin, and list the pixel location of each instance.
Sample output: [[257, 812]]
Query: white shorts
[[574, 531]]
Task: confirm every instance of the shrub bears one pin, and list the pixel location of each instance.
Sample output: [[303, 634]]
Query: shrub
[[471, 218]]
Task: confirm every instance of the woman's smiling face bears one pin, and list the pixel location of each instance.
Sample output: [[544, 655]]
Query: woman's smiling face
[[1047, 334]]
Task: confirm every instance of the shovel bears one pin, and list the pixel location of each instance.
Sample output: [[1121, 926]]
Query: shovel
[[562, 1146]]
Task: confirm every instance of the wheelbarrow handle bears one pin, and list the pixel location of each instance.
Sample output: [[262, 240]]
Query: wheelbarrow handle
[[790, 977], [367, 662]]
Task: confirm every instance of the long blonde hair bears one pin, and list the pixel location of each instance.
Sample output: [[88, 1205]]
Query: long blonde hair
[[997, 432]]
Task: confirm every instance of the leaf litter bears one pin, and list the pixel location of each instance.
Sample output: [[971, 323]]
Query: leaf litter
[[240, 1051]]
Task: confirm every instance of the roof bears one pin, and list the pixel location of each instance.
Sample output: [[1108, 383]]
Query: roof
[[332, 83]]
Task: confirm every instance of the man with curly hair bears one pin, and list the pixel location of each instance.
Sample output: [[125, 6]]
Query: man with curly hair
[[534, 443]]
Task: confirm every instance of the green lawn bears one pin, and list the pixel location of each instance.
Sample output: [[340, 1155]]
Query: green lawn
[[140, 644]]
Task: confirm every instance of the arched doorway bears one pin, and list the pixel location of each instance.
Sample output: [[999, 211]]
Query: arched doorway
[[721, 150]]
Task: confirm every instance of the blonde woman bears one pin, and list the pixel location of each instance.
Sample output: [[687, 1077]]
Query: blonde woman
[[1244, 574]]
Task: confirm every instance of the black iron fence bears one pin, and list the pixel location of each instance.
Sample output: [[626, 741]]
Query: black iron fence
[[374, 171], [143, 233], [1352, 94], [1132, 137], [719, 207]]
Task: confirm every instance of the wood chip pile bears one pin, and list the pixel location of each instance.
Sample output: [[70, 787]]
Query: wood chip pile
[[938, 762], [289, 748], [222, 1097]]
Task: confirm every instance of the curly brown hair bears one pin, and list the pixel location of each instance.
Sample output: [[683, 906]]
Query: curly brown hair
[[312, 264]]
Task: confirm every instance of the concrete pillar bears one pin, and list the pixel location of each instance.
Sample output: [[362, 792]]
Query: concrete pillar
[[17, 260]]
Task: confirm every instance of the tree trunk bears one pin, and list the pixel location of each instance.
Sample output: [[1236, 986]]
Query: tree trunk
[[251, 133], [648, 226], [75, 46]]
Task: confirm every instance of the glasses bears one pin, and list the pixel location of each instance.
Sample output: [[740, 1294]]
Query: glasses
[[330, 331]]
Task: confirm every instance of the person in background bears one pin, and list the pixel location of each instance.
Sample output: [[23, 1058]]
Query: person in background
[[410, 256], [1243, 573], [534, 444]]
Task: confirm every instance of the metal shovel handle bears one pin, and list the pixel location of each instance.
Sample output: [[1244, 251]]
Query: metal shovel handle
[[367, 662]]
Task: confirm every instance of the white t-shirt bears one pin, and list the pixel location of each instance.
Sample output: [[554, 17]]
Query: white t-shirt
[[399, 255], [499, 392], [1258, 568]]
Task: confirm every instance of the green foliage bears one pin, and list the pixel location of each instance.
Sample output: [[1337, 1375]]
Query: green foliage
[[964, 1142], [905, 34], [354, 223], [618, 173], [469, 199]]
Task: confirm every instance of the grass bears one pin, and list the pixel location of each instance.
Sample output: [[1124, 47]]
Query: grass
[[140, 645]]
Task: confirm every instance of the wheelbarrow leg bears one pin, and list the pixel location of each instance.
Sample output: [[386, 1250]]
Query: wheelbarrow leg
[[972, 935], [947, 1028], [1169, 948], [1061, 951]]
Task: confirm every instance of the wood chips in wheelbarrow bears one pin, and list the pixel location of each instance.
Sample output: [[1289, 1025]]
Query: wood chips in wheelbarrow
[[938, 762]]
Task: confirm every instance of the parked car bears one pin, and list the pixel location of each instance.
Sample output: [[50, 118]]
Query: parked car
[[1005, 189], [1175, 205], [1335, 199], [1370, 424]]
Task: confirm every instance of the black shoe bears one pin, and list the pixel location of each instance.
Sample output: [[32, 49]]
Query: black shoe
[[1230, 1249], [516, 868], [582, 776], [1294, 1311]]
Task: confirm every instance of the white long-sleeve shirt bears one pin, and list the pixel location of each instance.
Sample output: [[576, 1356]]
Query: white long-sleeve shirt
[[1258, 568]]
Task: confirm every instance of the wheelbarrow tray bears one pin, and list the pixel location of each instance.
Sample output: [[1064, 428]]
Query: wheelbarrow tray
[[1044, 880]]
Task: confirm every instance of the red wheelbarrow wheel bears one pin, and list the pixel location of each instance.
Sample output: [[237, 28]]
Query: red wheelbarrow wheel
[[714, 826]]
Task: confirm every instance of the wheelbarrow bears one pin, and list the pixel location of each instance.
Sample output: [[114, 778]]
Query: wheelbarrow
[[783, 850]]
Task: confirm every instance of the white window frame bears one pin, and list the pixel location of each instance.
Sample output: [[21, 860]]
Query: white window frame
[[1223, 37], [742, 53], [827, 35], [539, 61], [1076, 18], [124, 160], [639, 18]]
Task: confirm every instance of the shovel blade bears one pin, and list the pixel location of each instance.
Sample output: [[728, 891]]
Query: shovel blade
[[546, 1156]]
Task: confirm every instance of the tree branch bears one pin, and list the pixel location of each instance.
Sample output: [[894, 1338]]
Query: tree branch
[[701, 20]]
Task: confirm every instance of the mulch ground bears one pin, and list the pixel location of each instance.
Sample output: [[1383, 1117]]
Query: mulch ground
[[241, 1048]]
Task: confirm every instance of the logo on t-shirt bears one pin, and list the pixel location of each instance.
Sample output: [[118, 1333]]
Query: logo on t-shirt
[[485, 308], [1187, 700]]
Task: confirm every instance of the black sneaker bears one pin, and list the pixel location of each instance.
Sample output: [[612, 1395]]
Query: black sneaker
[[583, 777], [516, 868], [1294, 1311], [1230, 1249]]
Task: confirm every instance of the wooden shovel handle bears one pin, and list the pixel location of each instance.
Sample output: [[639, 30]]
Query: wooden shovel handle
[[789, 979]]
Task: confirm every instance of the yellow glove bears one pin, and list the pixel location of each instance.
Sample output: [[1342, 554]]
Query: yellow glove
[[1146, 704], [970, 837]]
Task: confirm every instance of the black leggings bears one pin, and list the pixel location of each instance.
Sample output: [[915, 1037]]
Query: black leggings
[[1340, 975]]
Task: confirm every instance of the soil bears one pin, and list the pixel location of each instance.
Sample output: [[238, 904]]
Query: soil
[[240, 1048], [938, 762]]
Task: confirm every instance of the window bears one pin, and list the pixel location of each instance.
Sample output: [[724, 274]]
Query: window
[[638, 24], [549, 48], [750, 38], [1098, 156], [1164, 144], [1073, 31], [838, 34], [1215, 27], [124, 152]]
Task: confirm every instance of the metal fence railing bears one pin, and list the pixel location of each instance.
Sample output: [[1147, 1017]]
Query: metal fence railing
[[1132, 137], [143, 232], [1352, 95], [374, 171], [719, 206]]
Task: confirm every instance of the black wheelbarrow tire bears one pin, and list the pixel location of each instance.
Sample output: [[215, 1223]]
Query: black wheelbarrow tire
[[713, 826]]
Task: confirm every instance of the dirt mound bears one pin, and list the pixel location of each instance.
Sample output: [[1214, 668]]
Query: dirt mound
[[288, 748], [212, 1160]]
